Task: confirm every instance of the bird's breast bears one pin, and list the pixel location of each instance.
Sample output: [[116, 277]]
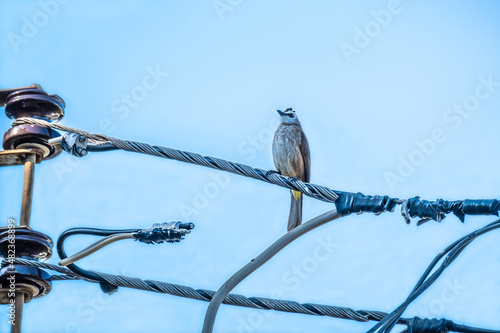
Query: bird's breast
[[286, 151]]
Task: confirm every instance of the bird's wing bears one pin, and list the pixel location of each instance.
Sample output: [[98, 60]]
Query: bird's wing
[[306, 156], [275, 150]]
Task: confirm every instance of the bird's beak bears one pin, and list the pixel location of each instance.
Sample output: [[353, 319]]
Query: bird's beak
[[281, 112]]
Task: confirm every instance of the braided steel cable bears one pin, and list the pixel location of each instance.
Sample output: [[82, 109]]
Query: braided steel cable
[[206, 295], [240, 300], [345, 202], [315, 191]]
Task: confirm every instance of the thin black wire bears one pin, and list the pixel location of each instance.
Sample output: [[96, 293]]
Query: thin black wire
[[453, 251], [103, 147], [105, 286]]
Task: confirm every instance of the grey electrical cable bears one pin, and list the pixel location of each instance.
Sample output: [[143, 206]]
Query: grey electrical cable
[[261, 259], [94, 247], [312, 190]]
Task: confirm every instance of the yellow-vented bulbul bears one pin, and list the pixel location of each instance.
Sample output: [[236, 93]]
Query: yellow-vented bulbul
[[292, 159]]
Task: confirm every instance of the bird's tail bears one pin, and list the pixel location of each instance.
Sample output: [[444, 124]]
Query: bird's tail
[[295, 218]]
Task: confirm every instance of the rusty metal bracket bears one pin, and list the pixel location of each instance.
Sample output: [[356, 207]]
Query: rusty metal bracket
[[18, 156], [29, 282], [28, 157]]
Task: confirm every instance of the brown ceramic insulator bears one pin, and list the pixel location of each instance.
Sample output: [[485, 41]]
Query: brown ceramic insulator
[[34, 103], [31, 281], [31, 136], [28, 243]]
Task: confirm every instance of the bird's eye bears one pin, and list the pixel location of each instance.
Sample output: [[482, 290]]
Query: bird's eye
[[292, 115]]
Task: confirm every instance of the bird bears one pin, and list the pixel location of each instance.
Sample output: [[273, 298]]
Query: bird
[[292, 158]]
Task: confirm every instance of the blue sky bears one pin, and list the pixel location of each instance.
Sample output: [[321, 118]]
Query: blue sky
[[396, 97]]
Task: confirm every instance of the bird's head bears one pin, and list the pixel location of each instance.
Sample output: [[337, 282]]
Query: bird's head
[[288, 116]]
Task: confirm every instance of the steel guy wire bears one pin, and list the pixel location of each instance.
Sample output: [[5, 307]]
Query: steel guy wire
[[316, 191]]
